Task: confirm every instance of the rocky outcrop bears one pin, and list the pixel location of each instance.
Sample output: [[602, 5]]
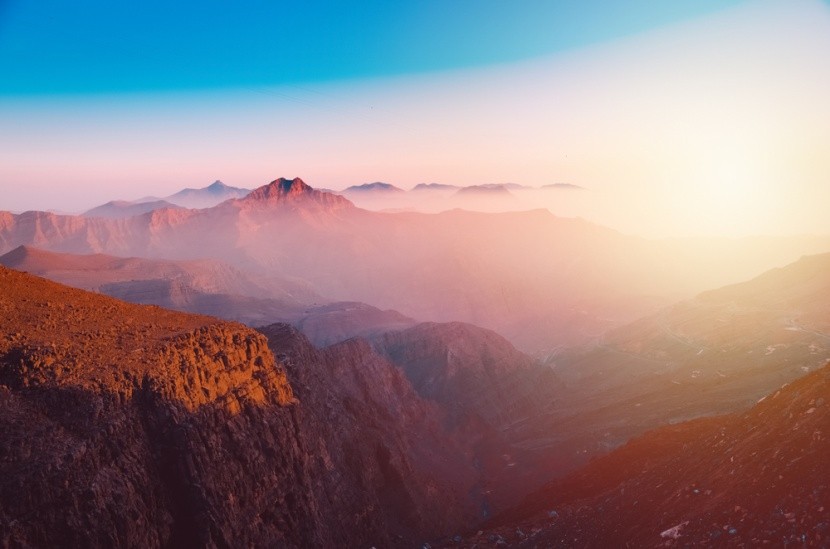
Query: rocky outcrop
[[285, 192], [126, 425], [384, 452]]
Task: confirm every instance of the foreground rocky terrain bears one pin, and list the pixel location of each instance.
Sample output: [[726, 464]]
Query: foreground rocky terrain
[[133, 425], [128, 424], [751, 479]]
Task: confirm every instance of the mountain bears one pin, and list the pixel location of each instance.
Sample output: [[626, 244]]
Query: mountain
[[750, 479], [293, 193], [335, 322], [198, 286], [563, 186], [490, 189], [717, 353], [488, 391], [435, 187], [141, 453], [468, 369], [106, 274], [377, 187], [540, 280], [121, 208], [213, 288], [206, 197], [134, 425]]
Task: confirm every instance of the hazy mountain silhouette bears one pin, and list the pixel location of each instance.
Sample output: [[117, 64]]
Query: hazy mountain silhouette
[[376, 187], [121, 208], [540, 280], [206, 197], [717, 353]]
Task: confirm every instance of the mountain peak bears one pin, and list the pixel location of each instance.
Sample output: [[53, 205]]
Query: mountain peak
[[284, 190], [216, 186], [206, 197], [17, 255], [377, 186], [281, 188]]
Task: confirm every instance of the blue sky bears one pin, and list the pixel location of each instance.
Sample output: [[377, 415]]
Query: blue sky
[[94, 46]]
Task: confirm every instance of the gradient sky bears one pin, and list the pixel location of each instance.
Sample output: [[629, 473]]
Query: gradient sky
[[683, 117]]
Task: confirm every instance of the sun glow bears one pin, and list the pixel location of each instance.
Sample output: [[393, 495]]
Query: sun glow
[[732, 188]]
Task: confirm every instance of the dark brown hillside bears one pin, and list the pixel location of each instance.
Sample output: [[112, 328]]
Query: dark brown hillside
[[751, 479], [121, 426], [715, 354], [126, 425]]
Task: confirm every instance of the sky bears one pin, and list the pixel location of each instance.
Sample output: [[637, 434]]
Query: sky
[[679, 118]]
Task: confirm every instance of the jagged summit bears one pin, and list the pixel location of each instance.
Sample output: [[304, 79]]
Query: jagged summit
[[280, 188], [293, 191]]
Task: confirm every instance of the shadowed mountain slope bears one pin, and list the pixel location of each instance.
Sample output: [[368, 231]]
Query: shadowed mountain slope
[[133, 425], [750, 479], [717, 353]]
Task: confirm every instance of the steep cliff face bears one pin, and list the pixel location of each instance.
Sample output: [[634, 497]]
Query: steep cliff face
[[491, 393], [384, 454], [126, 425]]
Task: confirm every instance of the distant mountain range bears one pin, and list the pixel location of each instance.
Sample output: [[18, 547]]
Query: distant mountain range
[[205, 197], [540, 280], [489, 190], [377, 187], [122, 208], [211, 287], [434, 187]]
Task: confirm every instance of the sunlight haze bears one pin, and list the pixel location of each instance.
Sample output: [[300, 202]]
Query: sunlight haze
[[710, 126]]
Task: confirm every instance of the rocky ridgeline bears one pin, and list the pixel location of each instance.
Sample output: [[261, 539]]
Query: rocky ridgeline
[[286, 192], [127, 425]]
